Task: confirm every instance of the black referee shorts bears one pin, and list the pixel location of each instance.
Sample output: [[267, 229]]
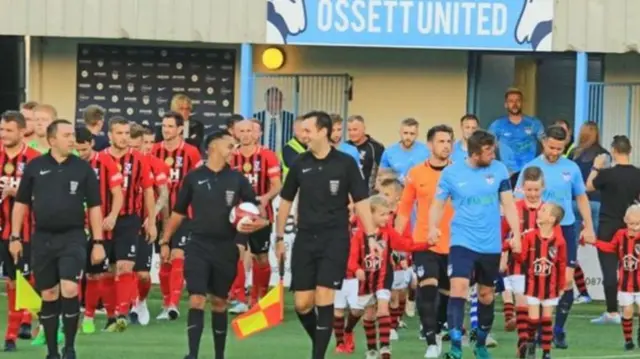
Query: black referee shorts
[[432, 265], [319, 259], [180, 238], [125, 239], [210, 265], [9, 267], [102, 267], [58, 256]]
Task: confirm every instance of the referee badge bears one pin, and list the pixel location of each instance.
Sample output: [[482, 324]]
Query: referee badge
[[334, 186], [168, 161], [228, 197], [73, 187], [247, 167], [8, 168]]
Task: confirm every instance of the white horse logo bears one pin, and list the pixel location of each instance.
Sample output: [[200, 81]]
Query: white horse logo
[[535, 24], [285, 18]]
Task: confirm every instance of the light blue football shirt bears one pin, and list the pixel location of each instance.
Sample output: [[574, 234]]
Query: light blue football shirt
[[517, 144], [351, 151], [400, 160]]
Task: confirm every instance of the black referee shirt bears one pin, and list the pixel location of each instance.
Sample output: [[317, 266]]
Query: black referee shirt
[[211, 196], [57, 192], [324, 186]]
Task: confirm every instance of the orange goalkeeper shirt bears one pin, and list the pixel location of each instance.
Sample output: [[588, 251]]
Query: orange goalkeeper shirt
[[420, 187]]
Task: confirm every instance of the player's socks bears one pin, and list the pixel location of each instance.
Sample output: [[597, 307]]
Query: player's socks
[[91, 297], [176, 280], [547, 334], [427, 312], [309, 321], [486, 315], [443, 305], [578, 277], [219, 326], [395, 316], [384, 331], [14, 317], [370, 333], [124, 284], [70, 319], [108, 294], [627, 329], [338, 329], [532, 330], [411, 296], [164, 276], [402, 305], [522, 324], [261, 273], [455, 318], [562, 312], [49, 318], [323, 331], [237, 288], [144, 286], [509, 309], [195, 326], [352, 321], [27, 318]]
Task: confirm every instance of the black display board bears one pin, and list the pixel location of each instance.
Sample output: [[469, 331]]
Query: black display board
[[138, 82]]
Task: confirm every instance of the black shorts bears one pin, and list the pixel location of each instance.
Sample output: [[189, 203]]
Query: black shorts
[[428, 264], [58, 256], [463, 262], [319, 259], [259, 241], [8, 265], [102, 267], [125, 238], [144, 256], [180, 238], [210, 266]]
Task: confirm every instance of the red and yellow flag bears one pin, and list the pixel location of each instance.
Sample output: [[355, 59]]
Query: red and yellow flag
[[268, 313]]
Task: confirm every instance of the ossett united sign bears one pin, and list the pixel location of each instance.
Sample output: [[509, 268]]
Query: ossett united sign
[[520, 25]]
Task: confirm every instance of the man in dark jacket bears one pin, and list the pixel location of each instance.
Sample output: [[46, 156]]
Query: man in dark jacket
[[193, 131]]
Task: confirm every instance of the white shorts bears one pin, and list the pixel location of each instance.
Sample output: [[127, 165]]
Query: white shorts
[[401, 279], [347, 296], [626, 298], [370, 299], [515, 283], [551, 302]]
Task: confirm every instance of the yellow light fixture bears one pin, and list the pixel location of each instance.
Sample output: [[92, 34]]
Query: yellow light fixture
[[273, 58]]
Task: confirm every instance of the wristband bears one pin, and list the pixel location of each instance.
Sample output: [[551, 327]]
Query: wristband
[[279, 239], [371, 236], [98, 241], [15, 239], [595, 169], [164, 244]]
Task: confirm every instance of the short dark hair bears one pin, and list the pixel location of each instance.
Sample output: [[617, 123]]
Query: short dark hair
[[478, 140], [136, 131], [562, 122], [533, 174], [117, 120], [469, 116], [93, 114], [83, 135], [439, 128], [556, 132], [176, 116], [52, 129], [233, 119], [14, 116], [621, 144], [148, 131], [216, 135], [513, 91], [323, 121]]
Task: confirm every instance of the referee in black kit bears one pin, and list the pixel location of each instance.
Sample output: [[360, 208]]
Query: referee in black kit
[[56, 185], [324, 178], [213, 249]]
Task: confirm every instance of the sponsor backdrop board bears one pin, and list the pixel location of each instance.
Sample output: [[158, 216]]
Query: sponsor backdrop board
[[138, 82]]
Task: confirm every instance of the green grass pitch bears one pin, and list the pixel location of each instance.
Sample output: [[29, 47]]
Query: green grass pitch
[[168, 340]]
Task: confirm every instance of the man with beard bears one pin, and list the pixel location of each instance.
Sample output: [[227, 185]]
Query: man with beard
[[517, 134], [562, 183], [431, 265], [13, 158], [469, 123], [477, 188], [293, 148], [407, 153], [336, 139], [370, 150], [29, 116]]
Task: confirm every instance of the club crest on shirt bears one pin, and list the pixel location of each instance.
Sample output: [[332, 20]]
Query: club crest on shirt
[[73, 187], [20, 168], [228, 197], [127, 168], [489, 178], [363, 154], [528, 130], [552, 252], [334, 186], [256, 164], [566, 176], [636, 249], [179, 161]]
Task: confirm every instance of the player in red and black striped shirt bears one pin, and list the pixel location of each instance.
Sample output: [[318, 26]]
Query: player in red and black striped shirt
[[544, 250], [375, 274], [137, 177], [142, 140], [626, 244], [514, 271], [99, 286], [262, 168], [14, 155], [181, 158]]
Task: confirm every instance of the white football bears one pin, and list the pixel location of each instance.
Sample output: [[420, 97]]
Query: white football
[[243, 213]]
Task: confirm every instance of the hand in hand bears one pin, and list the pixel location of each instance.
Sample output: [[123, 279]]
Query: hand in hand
[[433, 236]]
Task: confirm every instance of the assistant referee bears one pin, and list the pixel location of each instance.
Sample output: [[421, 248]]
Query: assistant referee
[[324, 178], [56, 185]]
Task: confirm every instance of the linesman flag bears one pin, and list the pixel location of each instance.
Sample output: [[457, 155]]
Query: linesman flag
[[268, 313], [26, 296]]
